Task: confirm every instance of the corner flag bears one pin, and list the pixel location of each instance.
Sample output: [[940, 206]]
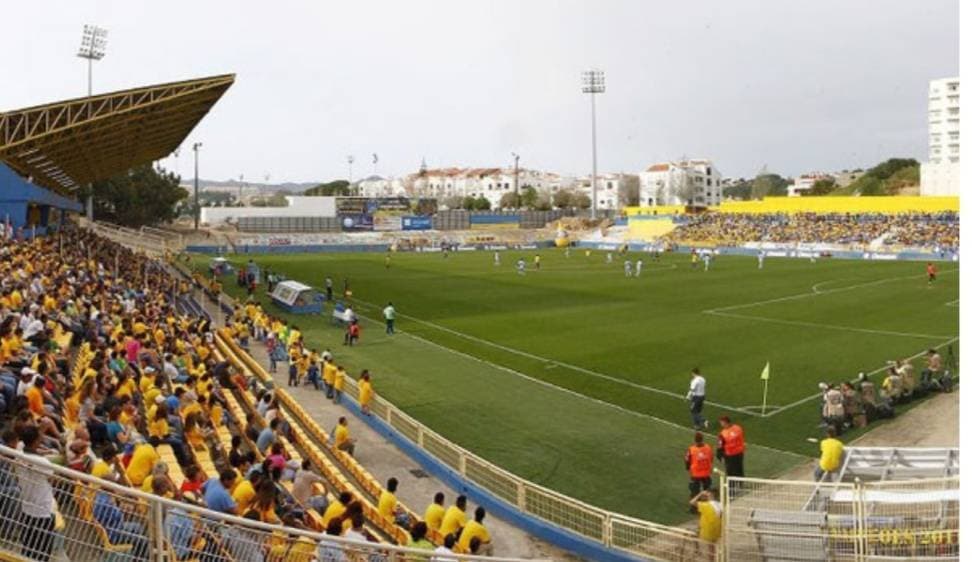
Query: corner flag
[[765, 378], [766, 370]]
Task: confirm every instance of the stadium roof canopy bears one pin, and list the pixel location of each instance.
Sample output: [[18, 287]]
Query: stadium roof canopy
[[898, 463], [67, 144]]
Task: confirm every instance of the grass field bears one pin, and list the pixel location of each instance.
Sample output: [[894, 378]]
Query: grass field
[[574, 376]]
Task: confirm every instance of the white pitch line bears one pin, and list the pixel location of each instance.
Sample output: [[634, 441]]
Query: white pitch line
[[816, 287], [827, 292], [953, 303], [824, 326], [573, 393], [817, 396], [549, 362]]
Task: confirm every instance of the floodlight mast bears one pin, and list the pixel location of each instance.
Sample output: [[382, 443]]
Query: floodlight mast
[[94, 41], [592, 82]]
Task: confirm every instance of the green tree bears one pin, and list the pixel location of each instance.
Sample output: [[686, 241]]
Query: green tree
[[141, 196], [334, 188], [528, 198], [741, 190], [629, 192], [823, 186], [769, 185], [469, 203], [561, 199], [481, 204], [886, 169], [509, 200], [580, 200], [869, 185]]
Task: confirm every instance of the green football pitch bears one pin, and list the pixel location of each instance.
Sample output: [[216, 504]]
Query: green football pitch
[[574, 376]]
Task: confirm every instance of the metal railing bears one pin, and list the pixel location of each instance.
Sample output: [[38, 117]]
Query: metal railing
[[49, 512], [643, 538], [773, 519]]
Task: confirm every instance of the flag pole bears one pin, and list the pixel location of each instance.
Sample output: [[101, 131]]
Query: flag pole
[[765, 391], [765, 377]]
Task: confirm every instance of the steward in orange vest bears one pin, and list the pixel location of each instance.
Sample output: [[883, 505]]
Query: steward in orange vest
[[732, 445], [698, 462]]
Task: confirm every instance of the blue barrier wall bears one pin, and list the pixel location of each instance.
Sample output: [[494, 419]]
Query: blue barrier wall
[[17, 196]]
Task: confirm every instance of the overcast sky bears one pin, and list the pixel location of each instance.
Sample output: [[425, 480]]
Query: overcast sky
[[795, 86]]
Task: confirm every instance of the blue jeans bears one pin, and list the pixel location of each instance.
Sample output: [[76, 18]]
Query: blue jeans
[[695, 407]]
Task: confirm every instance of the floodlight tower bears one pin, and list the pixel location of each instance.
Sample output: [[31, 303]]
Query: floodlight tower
[[94, 40], [592, 82], [516, 173], [350, 175]]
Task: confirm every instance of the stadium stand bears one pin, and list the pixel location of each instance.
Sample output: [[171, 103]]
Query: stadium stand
[[915, 230], [126, 409]]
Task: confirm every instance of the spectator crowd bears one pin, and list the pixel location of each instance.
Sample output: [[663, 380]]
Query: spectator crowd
[[919, 230]]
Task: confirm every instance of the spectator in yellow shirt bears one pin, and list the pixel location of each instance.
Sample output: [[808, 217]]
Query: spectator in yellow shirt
[[435, 511], [330, 372], [476, 529], [455, 517], [831, 452], [365, 392], [710, 519], [339, 377], [388, 505], [342, 437], [143, 459]]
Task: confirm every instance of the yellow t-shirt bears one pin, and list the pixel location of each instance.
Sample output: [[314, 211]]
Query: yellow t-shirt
[[158, 428], [830, 452], [126, 388], [365, 393], [710, 521], [472, 529], [143, 459], [339, 380], [334, 509], [386, 505], [340, 435], [454, 519], [433, 515], [100, 469], [243, 495], [330, 371]]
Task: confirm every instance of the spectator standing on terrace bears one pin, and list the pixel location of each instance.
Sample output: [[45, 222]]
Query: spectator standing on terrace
[[339, 376], [389, 314], [698, 462], [732, 446], [36, 499], [710, 519], [831, 451], [365, 392], [696, 398]]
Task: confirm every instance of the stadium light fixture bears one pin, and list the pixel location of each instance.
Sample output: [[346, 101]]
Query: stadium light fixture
[[592, 82], [94, 42]]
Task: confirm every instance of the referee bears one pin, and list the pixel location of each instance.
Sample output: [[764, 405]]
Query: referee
[[696, 398]]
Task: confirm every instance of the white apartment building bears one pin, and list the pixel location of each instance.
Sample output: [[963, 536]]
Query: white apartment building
[[608, 189], [940, 175], [377, 186], [491, 183], [694, 182], [801, 185]]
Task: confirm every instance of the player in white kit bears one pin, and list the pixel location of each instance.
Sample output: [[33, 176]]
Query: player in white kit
[[760, 257], [627, 268], [521, 266], [496, 258], [638, 265]]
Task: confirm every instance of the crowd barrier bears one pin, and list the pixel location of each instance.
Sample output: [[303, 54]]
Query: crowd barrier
[[96, 520], [348, 248], [857, 521], [564, 521]]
